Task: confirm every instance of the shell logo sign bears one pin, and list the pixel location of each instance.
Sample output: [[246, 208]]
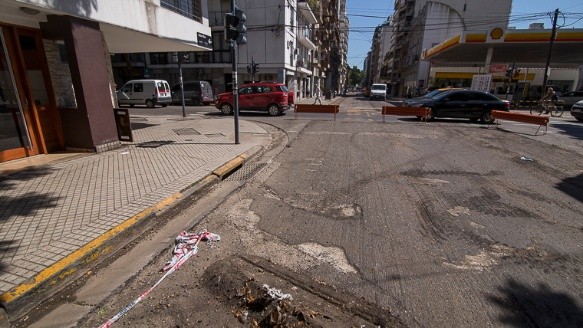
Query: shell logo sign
[[496, 34]]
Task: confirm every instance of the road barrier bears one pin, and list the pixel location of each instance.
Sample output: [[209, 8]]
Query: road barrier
[[309, 108], [421, 112], [539, 120]]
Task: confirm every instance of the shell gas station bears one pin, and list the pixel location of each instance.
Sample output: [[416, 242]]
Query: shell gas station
[[516, 60]]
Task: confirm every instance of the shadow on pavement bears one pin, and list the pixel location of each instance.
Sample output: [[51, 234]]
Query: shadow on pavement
[[21, 205], [540, 306], [574, 131], [573, 187]]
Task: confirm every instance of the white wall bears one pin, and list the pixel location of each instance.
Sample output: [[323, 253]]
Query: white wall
[[267, 46], [139, 15]]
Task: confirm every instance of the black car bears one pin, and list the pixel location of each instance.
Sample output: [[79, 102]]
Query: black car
[[577, 111], [475, 105]]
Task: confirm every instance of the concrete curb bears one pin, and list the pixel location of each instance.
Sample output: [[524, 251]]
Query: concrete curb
[[20, 298]]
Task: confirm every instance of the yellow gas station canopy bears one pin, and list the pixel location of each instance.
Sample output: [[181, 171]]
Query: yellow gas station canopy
[[526, 48]]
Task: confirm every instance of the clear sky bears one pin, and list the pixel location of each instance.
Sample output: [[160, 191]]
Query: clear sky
[[366, 15]]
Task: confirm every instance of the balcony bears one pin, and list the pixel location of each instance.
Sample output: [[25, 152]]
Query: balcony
[[304, 38], [304, 9]]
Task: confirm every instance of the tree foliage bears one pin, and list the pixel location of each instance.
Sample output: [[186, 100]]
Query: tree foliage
[[355, 76], [314, 4]]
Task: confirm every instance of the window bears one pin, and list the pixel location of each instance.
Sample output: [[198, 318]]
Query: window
[[457, 97], [246, 91], [263, 89], [138, 87], [188, 8], [127, 88], [158, 58]]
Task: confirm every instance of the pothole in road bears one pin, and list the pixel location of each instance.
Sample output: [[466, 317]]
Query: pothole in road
[[265, 295]]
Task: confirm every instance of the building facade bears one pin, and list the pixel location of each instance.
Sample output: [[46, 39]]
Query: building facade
[[421, 24], [56, 82], [297, 43]]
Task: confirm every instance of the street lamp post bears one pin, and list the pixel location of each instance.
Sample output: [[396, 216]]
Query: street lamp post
[[552, 40], [180, 57]]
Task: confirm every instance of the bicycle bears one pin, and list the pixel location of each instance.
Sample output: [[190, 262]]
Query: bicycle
[[555, 108]]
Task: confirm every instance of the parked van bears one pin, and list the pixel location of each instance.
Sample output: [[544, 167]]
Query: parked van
[[144, 92], [195, 93], [378, 90]]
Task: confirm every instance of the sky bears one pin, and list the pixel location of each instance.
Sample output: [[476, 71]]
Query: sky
[[365, 15]]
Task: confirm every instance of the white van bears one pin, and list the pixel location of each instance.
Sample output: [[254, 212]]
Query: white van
[[144, 92], [378, 90]]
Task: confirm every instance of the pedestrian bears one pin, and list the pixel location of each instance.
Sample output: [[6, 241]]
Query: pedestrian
[[318, 95]]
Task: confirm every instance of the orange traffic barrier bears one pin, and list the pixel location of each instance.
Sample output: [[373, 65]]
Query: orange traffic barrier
[[309, 108], [521, 117], [422, 112]]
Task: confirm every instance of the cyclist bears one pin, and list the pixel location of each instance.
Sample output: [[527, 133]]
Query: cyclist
[[550, 97]]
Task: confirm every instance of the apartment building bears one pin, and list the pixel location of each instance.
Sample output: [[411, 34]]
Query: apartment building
[[381, 43], [293, 42], [56, 82], [422, 24]]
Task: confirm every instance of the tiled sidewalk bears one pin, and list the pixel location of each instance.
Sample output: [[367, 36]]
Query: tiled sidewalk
[[48, 212]]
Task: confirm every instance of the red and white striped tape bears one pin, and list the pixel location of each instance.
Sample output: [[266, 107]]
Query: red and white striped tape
[[186, 246]]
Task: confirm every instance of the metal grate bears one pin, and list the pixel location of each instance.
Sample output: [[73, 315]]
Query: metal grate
[[246, 172]]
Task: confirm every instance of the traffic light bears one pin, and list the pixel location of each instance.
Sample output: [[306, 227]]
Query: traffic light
[[235, 29], [254, 67]]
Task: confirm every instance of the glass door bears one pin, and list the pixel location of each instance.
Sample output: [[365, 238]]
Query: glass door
[[14, 137]]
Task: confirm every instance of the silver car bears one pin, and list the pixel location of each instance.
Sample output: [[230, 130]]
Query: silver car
[[570, 98], [577, 111]]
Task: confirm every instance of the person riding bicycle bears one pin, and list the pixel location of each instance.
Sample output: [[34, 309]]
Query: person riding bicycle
[[550, 97]]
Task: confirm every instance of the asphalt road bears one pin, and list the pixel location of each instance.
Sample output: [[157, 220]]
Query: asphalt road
[[445, 224]]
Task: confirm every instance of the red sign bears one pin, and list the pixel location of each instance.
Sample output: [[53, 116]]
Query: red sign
[[498, 68]]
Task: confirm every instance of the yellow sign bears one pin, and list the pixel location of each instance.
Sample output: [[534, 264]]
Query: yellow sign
[[496, 33]]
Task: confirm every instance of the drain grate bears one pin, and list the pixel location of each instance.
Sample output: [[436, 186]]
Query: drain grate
[[155, 144], [246, 172]]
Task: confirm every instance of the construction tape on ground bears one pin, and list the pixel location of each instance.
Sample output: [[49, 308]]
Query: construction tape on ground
[[186, 245]]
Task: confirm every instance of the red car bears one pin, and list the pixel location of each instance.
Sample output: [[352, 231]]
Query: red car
[[275, 98]]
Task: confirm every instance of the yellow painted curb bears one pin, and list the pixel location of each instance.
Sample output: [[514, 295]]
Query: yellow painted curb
[[229, 167], [59, 267]]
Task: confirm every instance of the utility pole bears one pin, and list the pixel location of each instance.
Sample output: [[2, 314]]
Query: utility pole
[[552, 40], [180, 58], [235, 81], [235, 32]]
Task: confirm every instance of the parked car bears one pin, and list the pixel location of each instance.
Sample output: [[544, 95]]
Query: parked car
[[378, 90], [475, 105], [195, 93], [430, 94], [570, 98], [144, 92], [260, 96], [577, 111]]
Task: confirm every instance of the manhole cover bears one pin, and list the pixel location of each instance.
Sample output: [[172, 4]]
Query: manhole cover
[[186, 132], [154, 144]]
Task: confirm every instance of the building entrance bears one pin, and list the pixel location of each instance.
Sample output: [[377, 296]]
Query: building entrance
[[29, 123], [14, 137]]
